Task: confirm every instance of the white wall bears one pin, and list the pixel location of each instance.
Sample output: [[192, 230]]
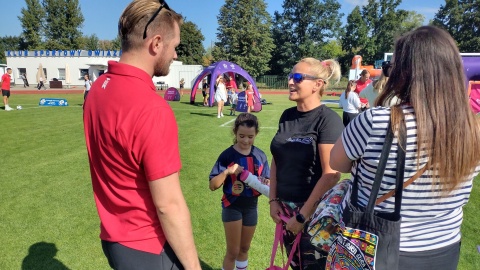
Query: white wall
[[80, 60], [52, 65], [179, 71]]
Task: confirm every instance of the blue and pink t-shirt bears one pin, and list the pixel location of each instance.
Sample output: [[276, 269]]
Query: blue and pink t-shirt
[[235, 191]]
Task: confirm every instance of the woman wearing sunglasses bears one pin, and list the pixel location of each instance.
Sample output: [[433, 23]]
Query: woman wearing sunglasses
[[300, 173], [350, 103]]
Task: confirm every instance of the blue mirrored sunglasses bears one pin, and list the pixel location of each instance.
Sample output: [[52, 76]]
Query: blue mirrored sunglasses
[[299, 77]]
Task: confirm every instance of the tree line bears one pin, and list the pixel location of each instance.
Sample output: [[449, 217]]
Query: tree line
[[263, 44]]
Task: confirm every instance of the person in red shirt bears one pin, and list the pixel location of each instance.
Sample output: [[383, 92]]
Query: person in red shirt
[[363, 82], [250, 95], [132, 143], [6, 88]]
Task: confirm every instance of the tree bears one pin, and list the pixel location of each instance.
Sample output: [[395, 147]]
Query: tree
[[8, 43], [412, 20], [372, 30], [89, 42], [302, 29], [63, 20], [356, 32], [462, 20], [106, 45], [244, 35], [190, 50], [31, 20], [207, 58]]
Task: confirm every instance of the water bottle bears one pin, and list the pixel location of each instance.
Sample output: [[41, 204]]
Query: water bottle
[[254, 183]]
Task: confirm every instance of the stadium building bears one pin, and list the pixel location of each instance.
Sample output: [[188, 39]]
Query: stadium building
[[69, 67]]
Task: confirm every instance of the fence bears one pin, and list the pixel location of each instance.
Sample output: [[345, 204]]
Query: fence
[[272, 82]]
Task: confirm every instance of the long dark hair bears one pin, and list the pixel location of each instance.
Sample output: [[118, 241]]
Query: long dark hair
[[427, 73]]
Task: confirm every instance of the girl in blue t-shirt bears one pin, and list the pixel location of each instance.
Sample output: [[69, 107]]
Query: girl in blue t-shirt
[[239, 201]]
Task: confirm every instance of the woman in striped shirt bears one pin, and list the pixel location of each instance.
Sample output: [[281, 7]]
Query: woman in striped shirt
[[426, 76]]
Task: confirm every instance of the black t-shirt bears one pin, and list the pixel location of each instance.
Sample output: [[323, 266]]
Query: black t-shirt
[[295, 149]]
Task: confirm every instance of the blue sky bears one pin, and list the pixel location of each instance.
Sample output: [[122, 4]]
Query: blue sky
[[101, 16]]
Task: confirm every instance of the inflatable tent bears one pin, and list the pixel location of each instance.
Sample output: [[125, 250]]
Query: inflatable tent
[[172, 94], [471, 66], [215, 70]]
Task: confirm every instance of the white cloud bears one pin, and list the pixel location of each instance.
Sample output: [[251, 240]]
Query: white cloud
[[426, 10], [357, 2]]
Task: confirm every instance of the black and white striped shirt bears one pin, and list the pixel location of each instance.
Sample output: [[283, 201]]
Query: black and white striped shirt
[[429, 220]]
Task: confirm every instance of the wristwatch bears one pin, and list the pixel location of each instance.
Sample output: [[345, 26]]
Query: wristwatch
[[300, 218]]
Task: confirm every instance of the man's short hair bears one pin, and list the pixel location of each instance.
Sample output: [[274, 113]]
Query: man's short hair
[[9, 68], [131, 24]]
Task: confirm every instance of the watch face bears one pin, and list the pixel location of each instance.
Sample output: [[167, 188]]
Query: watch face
[[300, 218]]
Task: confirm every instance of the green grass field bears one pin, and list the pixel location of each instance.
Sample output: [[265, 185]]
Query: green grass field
[[48, 218]]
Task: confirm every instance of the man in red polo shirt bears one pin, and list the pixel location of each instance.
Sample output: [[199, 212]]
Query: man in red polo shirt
[[5, 82], [132, 142]]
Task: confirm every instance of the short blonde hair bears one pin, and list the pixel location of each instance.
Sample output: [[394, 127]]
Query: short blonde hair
[[136, 15], [328, 70]]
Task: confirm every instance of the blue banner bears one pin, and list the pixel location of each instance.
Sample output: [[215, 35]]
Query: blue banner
[[53, 102]]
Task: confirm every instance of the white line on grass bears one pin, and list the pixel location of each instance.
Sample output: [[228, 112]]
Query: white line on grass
[[225, 124]]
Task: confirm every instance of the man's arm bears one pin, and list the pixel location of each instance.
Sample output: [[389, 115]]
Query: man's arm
[[174, 217]]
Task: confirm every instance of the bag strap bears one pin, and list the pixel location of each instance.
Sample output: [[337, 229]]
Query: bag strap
[[387, 145], [279, 240], [400, 170], [406, 184]]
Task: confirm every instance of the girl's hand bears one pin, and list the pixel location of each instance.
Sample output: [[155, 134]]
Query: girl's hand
[[235, 169], [276, 211], [294, 226]]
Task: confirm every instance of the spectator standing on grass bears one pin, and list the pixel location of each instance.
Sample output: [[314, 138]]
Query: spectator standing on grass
[[300, 173], [220, 95], [87, 86], [132, 142], [204, 92], [442, 148], [182, 84], [239, 201], [5, 82], [350, 103], [233, 103], [250, 96]]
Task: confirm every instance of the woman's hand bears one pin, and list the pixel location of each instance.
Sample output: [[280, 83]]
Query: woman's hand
[[294, 226], [264, 180], [276, 211]]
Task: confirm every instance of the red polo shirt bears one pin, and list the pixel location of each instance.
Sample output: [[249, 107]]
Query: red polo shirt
[[360, 86], [6, 81], [132, 138]]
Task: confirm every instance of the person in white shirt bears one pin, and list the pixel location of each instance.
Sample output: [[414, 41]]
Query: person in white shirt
[[87, 86], [220, 95], [350, 103]]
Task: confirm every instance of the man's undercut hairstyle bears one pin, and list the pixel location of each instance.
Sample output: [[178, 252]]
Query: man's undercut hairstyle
[[131, 24]]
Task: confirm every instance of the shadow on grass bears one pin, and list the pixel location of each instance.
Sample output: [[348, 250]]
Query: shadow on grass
[[41, 256], [205, 114], [205, 266]]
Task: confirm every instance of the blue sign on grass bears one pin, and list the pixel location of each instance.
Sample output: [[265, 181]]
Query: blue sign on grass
[[53, 102]]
